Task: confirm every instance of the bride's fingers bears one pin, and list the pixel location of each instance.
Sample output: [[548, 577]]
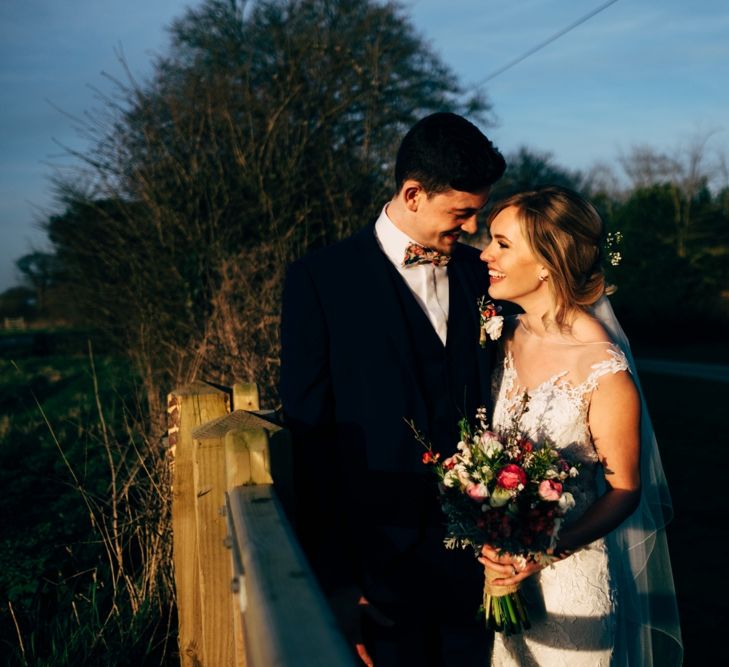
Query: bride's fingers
[[494, 556], [501, 569]]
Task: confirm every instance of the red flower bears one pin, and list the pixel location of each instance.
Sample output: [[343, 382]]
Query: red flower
[[510, 476], [489, 311], [526, 445], [429, 457]]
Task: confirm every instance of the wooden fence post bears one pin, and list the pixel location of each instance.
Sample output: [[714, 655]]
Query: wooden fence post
[[202, 566], [216, 451]]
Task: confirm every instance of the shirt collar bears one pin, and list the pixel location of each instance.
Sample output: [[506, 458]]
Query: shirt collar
[[392, 240]]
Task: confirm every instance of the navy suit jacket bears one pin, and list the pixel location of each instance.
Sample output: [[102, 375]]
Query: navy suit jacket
[[366, 505]]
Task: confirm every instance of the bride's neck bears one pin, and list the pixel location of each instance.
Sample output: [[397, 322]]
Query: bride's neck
[[537, 324], [541, 322], [539, 317]]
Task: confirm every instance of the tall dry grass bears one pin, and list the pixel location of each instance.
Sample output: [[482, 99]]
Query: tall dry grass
[[111, 599]]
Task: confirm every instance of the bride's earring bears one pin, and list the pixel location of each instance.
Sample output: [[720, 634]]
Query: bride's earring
[[543, 278]]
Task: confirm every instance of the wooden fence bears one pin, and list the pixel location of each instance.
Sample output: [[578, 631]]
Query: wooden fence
[[245, 594]]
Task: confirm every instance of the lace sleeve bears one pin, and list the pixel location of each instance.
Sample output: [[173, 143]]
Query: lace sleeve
[[615, 363]]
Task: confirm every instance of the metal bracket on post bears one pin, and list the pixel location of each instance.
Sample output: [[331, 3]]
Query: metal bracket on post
[[238, 583]]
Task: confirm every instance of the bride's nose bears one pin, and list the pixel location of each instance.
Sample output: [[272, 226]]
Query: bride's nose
[[486, 256]]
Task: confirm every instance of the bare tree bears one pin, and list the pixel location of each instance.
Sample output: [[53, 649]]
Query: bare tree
[[688, 171], [268, 129]]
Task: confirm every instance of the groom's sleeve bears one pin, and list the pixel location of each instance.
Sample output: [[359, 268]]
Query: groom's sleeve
[[309, 410]]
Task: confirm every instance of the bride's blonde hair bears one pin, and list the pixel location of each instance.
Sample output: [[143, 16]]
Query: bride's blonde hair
[[566, 234]]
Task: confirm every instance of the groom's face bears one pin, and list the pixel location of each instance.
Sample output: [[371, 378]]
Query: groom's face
[[441, 218]]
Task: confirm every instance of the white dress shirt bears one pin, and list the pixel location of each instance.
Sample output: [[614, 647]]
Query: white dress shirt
[[427, 282]]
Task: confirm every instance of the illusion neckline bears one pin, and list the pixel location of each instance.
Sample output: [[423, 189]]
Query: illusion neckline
[[520, 389], [548, 341], [557, 380]]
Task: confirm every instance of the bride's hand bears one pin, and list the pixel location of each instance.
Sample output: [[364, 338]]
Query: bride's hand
[[512, 569]]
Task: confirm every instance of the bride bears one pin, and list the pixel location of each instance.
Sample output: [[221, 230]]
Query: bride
[[608, 599]]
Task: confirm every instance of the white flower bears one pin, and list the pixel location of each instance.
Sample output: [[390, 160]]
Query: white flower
[[451, 542], [484, 474], [493, 327], [463, 477], [449, 479], [573, 472], [465, 455], [490, 444], [551, 473], [490, 322], [566, 502]]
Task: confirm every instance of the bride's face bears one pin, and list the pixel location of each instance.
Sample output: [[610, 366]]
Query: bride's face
[[514, 270]]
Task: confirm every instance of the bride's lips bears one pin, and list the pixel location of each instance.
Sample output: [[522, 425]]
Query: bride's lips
[[496, 276]]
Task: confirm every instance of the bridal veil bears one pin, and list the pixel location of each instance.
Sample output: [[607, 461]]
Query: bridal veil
[[648, 627]]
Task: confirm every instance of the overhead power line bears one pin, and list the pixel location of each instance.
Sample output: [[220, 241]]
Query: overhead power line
[[546, 42]]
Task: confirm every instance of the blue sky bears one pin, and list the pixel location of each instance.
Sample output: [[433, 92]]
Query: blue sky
[[640, 72]]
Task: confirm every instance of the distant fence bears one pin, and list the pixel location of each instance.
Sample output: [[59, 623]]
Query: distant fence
[[14, 324], [245, 594]]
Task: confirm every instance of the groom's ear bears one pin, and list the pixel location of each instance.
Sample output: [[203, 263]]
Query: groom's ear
[[412, 192]]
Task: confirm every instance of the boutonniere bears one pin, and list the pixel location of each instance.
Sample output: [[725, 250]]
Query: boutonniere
[[490, 322]]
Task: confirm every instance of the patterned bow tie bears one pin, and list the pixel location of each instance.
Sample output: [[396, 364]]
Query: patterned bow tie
[[416, 254]]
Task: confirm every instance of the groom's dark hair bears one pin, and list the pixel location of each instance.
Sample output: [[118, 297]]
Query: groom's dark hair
[[444, 151]]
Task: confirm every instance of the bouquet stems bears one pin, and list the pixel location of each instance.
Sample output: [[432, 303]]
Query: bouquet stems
[[503, 606]]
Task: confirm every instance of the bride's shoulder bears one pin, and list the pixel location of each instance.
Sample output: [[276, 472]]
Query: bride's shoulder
[[596, 354], [588, 330]]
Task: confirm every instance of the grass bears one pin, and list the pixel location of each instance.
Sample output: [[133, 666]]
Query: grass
[[74, 581]]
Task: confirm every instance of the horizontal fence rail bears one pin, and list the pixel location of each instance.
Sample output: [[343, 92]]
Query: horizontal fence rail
[[287, 620]]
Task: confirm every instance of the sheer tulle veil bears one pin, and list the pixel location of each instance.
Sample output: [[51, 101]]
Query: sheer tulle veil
[[648, 627]]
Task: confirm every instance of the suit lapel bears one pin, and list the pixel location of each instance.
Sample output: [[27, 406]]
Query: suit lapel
[[381, 299], [462, 277], [458, 282]]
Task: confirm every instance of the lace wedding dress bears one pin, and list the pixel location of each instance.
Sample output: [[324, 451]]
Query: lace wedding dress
[[572, 604]]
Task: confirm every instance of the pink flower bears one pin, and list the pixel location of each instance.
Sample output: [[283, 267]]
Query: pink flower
[[511, 476], [477, 491], [449, 463], [550, 490]]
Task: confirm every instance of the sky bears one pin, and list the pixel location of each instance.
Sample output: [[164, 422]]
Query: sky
[[638, 72]]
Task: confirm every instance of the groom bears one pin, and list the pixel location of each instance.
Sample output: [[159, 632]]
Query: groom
[[376, 330]]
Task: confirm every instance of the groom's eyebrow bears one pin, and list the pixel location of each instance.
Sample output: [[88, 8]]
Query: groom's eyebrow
[[470, 210]]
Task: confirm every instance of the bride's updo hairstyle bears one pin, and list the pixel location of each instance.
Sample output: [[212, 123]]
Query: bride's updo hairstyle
[[566, 234]]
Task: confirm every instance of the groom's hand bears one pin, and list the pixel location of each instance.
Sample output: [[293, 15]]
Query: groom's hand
[[350, 608]]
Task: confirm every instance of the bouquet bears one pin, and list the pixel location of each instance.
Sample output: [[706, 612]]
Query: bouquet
[[508, 492]]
